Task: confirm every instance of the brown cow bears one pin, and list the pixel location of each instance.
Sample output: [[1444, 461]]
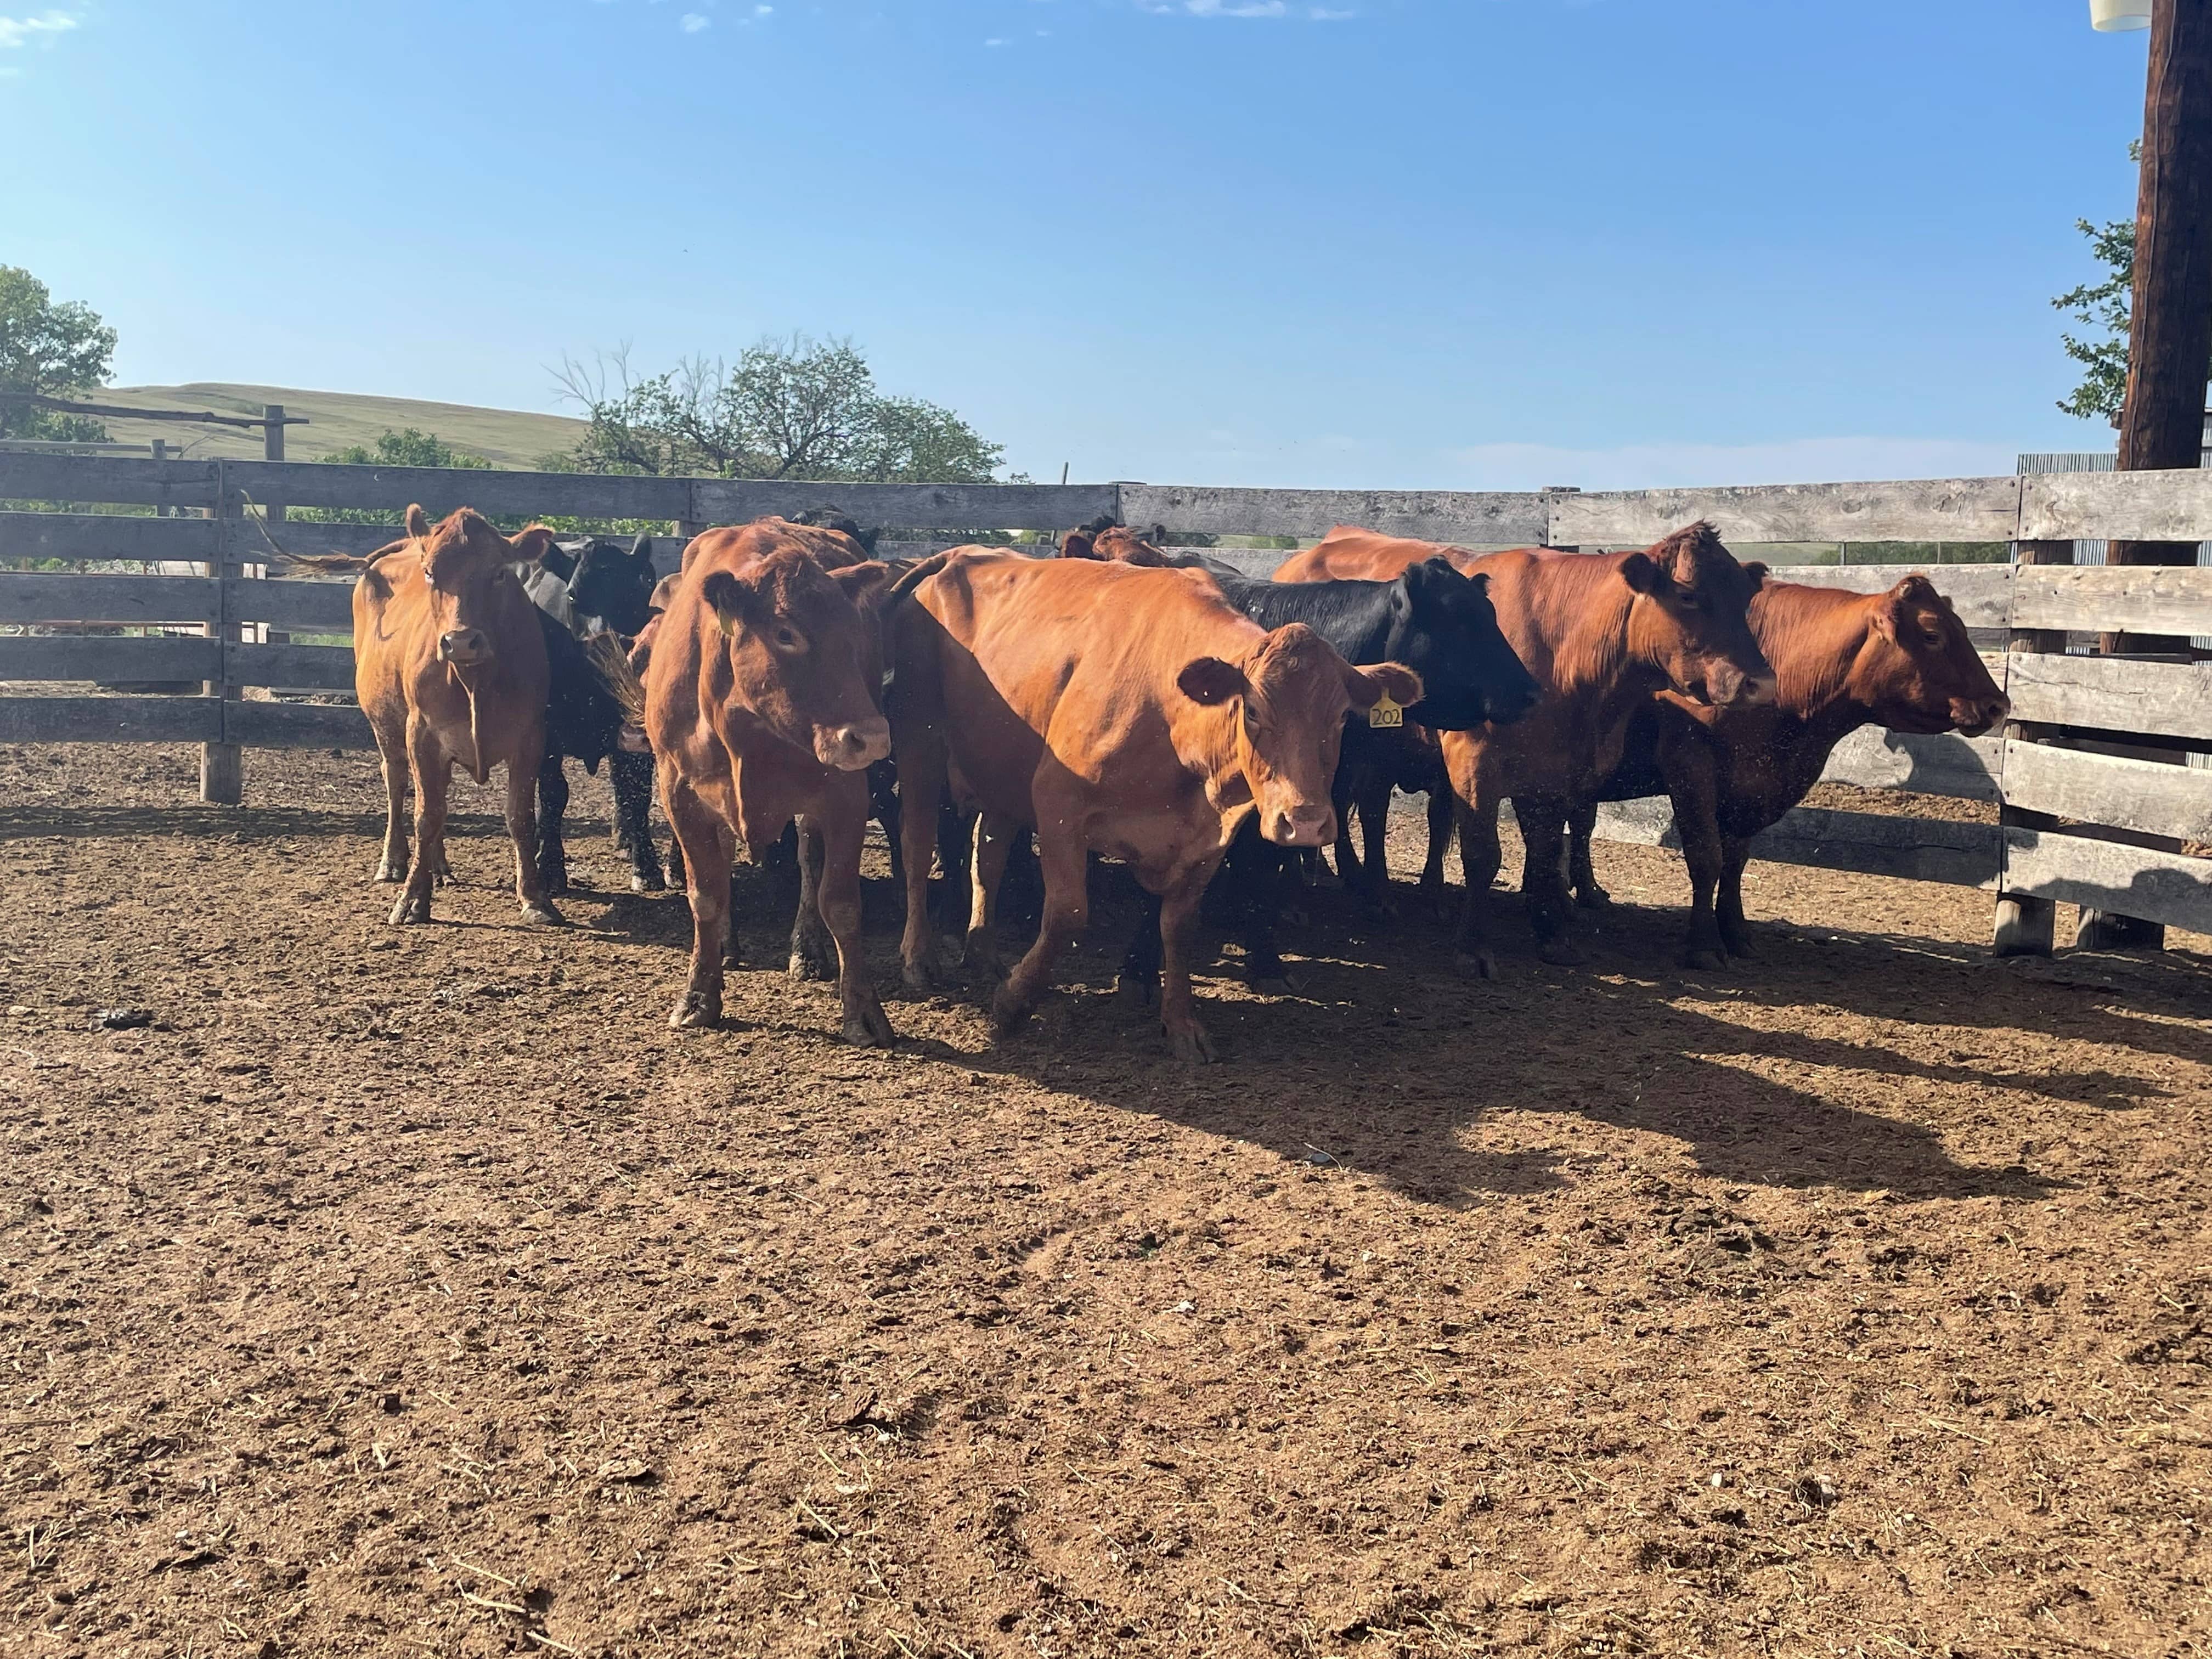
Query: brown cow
[[1602, 634], [450, 666], [761, 704], [1115, 544], [1899, 658], [1129, 711]]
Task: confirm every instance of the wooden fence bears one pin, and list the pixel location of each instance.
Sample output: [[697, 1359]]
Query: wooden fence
[[2094, 810]]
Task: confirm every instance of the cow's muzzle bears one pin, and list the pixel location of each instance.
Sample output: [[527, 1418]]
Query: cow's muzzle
[[1300, 826], [851, 747], [1975, 715], [1728, 687], [465, 648]]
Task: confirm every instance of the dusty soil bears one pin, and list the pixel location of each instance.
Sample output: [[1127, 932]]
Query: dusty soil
[[420, 1292]]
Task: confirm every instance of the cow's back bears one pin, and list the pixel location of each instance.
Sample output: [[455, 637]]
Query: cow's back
[[1347, 552]]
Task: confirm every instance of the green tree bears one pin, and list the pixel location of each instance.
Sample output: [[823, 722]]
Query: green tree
[[49, 350], [794, 408], [2103, 306], [404, 448]]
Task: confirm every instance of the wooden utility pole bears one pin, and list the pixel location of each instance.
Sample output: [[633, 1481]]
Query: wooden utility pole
[[2170, 320]]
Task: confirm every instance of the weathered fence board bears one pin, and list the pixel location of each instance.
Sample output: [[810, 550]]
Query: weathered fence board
[[136, 481], [2170, 888], [320, 606], [308, 667], [1508, 519], [1875, 757], [1917, 510], [2112, 694], [111, 720], [2108, 789], [916, 506], [2172, 506], [88, 536], [38, 596], [2144, 599], [295, 726], [1871, 843], [1980, 593], [440, 489], [110, 659]]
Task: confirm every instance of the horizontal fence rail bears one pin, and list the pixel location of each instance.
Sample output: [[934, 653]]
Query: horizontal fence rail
[[2096, 812]]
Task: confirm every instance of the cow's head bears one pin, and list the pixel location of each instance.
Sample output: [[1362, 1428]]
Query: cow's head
[[1917, 669], [1290, 697], [466, 567], [1444, 627], [804, 657], [1688, 619], [614, 586], [1117, 544]]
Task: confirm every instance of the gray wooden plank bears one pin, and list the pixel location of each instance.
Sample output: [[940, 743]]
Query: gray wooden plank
[[2172, 700], [309, 667], [2104, 875], [1875, 757], [442, 490], [2144, 507], [2142, 598], [1483, 518], [1869, 843], [323, 606], [908, 507], [41, 597], [1910, 510], [1980, 593], [136, 480], [111, 720], [2108, 789], [111, 658], [85, 536], [295, 726]]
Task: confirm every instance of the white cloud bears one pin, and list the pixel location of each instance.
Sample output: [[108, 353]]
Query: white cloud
[[692, 22], [16, 33], [994, 41]]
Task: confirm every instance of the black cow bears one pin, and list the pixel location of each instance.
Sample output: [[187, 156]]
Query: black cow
[[601, 590], [1434, 620]]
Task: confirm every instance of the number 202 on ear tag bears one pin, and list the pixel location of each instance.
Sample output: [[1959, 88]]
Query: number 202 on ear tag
[[1386, 713]]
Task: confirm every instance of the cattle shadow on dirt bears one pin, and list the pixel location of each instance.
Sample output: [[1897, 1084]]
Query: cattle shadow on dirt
[[213, 823]]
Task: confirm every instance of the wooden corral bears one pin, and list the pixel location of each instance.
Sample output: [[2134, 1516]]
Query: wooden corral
[[2094, 809]]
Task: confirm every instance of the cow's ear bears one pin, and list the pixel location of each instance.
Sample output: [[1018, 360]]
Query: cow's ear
[[859, 581], [532, 544], [1210, 681], [1368, 686], [418, 521], [640, 552], [1639, 571], [1079, 545], [735, 604], [1757, 570]]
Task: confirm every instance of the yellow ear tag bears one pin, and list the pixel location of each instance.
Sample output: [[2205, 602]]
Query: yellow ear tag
[[726, 627], [1386, 714]]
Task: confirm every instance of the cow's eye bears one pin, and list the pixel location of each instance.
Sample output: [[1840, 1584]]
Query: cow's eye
[[787, 639]]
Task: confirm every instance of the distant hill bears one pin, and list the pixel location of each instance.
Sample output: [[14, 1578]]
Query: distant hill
[[505, 437]]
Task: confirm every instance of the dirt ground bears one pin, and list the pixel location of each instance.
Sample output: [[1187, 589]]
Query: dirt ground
[[420, 1292]]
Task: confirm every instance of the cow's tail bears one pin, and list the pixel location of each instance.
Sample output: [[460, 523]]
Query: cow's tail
[[916, 574], [610, 666], [339, 564]]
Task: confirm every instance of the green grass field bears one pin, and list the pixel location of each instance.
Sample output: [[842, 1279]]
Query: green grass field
[[505, 437]]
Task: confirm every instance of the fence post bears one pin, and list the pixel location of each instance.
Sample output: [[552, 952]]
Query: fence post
[[2027, 927], [222, 780], [272, 449]]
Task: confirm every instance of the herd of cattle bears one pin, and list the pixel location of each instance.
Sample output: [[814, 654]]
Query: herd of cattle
[[1121, 699]]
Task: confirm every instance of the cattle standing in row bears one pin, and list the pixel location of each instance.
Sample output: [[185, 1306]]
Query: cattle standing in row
[[450, 666], [761, 705], [1115, 708], [1602, 634], [1899, 658]]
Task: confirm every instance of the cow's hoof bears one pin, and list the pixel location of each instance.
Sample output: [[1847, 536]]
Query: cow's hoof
[[1594, 898], [1561, 953], [1738, 946], [810, 961], [868, 1028], [980, 955], [388, 871], [1281, 983], [646, 881], [1474, 964], [413, 908], [1008, 1011], [543, 915], [919, 977], [695, 1011], [1191, 1044], [1706, 960], [1142, 989]]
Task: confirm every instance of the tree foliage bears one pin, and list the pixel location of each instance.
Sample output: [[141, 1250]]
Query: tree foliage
[[49, 350], [407, 447], [2103, 306], [795, 408]]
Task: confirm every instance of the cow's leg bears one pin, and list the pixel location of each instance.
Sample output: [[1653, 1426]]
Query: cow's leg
[[1692, 786], [1374, 802], [813, 953], [835, 839], [709, 846], [1066, 863], [1178, 1011], [431, 772], [630, 776], [1440, 828], [1261, 876], [552, 805], [1736, 932], [522, 780], [1582, 875], [1140, 963], [921, 787], [1478, 858], [1543, 821], [883, 802], [994, 844], [391, 753]]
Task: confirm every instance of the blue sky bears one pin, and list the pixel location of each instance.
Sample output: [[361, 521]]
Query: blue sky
[[1468, 244]]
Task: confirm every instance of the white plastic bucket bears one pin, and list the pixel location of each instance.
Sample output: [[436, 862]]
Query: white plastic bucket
[[2110, 15]]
